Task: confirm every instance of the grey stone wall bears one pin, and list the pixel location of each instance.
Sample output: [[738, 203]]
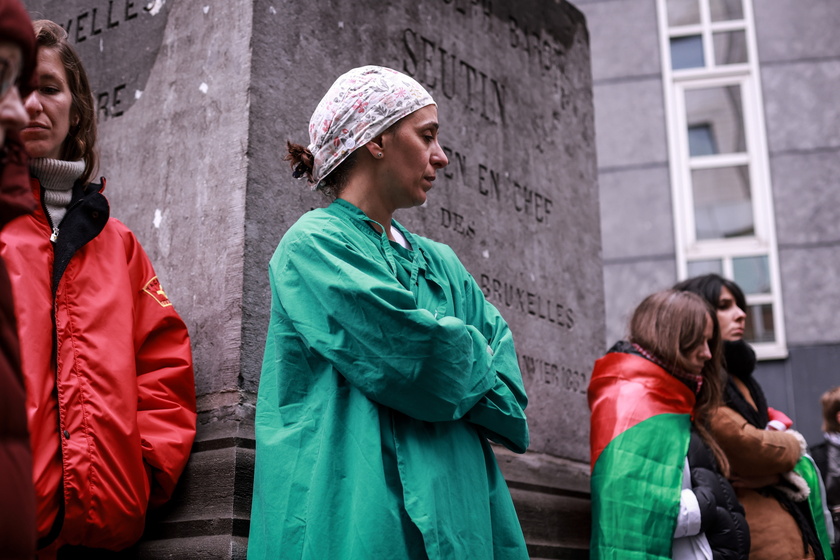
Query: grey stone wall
[[198, 99]]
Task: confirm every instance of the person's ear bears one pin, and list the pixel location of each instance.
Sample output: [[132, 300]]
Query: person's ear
[[376, 148]]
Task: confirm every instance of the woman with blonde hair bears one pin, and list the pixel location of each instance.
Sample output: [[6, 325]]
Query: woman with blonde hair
[[658, 484]]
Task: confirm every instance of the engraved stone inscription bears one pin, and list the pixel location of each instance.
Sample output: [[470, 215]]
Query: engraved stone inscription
[[541, 48], [531, 202], [498, 186], [540, 371], [526, 302], [463, 6], [109, 103], [441, 70], [117, 40], [93, 21], [450, 219]]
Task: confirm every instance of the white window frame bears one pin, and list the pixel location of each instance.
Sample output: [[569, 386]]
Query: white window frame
[[675, 84]]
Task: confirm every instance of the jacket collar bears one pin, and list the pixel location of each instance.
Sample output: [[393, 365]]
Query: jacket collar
[[86, 217], [364, 224]]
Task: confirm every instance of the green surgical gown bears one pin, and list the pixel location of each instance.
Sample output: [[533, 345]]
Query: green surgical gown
[[385, 373]]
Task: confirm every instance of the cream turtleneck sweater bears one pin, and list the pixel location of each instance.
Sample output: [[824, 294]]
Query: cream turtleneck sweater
[[57, 177]]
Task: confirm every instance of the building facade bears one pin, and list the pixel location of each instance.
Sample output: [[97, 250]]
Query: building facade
[[718, 139]]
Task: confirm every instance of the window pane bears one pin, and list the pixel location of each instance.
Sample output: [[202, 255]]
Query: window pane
[[687, 52], [726, 10], [701, 141], [720, 110], [760, 327], [730, 47], [752, 274], [712, 266], [683, 12], [722, 202]]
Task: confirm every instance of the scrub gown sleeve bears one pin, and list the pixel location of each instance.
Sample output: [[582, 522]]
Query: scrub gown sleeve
[[350, 310], [500, 414]]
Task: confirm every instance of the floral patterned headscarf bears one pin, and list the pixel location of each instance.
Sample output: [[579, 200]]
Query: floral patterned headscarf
[[360, 105]]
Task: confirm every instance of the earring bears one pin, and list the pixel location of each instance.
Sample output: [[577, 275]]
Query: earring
[[379, 155]]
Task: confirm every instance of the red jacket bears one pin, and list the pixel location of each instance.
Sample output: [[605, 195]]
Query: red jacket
[[108, 369]]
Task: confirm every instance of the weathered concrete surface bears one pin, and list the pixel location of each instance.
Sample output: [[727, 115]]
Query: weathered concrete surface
[[195, 168]]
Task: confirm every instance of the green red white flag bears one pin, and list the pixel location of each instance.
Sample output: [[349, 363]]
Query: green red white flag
[[641, 422]]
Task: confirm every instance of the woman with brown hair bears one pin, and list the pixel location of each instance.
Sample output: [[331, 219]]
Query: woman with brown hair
[[107, 362], [779, 504], [657, 485], [386, 372]]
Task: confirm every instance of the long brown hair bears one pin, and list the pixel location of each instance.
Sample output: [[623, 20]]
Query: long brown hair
[[80, 143], [670, 324]]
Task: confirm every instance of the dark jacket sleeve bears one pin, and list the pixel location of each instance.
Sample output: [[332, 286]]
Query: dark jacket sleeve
[[722, 516]]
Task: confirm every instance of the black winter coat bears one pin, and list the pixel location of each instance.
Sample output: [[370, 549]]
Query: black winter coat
[[722, 517]]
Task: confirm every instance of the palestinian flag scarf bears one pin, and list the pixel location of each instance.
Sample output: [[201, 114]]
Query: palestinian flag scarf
[[641, 422]]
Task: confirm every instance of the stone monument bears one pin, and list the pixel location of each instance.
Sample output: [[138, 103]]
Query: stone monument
[[196, 101]]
